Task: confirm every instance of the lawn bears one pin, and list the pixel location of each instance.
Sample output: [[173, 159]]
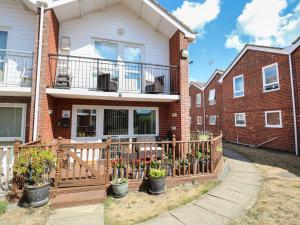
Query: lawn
[[140, 206], [278, 201]]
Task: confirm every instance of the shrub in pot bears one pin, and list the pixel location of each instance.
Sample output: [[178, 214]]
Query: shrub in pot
[[33, 166], [157, 178], [120, 187]]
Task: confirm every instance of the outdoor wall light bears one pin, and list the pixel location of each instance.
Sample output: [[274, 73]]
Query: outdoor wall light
[[184, 53]]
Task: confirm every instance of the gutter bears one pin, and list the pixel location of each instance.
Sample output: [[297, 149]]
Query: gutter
[[294, 104], [42, 4]]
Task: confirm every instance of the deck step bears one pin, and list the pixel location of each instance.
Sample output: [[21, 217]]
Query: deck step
[[78, 198], [68, 190]]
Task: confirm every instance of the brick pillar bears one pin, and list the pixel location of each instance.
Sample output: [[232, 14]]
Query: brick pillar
[[50, 45], [176, 43]]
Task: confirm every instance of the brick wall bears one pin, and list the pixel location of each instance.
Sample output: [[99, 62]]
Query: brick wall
[[255, 102], [181, 107], [22, 100], [216, 109], [196, 111]]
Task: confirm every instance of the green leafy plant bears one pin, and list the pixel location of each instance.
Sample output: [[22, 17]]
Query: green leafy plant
[[203, 137], [157, 173], [156, 164], [3, 207], [219, 148], [33, 165], [119, 181]]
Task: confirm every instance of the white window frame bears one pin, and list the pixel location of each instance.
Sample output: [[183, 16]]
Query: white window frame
[[235, 120], [100, 121], [234, 91], [212, 102], [264, 80], [215, 120], [280, 119], [199, 118], [198, 100], [23, 125], [190, 120]]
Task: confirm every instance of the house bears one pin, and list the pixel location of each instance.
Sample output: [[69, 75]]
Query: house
[[98, 68], [261, 97], [213, 92], [196, 106]]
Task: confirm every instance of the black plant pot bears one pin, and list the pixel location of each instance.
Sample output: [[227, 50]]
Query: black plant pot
[[157, 185], [37, 195]]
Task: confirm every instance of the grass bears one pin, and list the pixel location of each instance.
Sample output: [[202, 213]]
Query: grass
[[140, 206], [278, 201], [3, 207]]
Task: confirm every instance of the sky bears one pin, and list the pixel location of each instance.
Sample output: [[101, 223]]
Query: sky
[[224, 26]]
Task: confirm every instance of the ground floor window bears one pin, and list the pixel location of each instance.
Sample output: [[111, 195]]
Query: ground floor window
[[94, 123], [273, 119], [12, 120], [199, 120], [240, 119], [212, 120]]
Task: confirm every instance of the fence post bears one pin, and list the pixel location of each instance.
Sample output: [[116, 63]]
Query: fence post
[[212, 155], [16, 155], [173, 153], [107, 169], [58, 162]]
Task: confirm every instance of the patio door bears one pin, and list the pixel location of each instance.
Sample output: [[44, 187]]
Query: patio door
[[3, 43]]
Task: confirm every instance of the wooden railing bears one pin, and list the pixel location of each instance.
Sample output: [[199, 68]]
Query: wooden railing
[[84, 164], [6, 170]]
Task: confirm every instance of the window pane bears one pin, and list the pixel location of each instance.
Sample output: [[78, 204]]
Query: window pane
[[106, 50], [212, 95], [273, 118], [132, 54], [11, 122], [271, 74], [198, 100], [238, 86], [240, 119], [3, 42], [86, 123], [144, 121], [212, 120], [115, 122]]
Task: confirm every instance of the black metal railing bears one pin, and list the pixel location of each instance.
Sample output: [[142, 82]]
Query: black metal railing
[[97, 74], [15, 68]]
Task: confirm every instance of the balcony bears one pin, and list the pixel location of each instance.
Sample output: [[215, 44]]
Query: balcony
[[94, 78], [15, 72]]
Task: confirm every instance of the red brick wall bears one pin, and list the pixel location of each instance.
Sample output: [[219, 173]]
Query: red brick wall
[[60, 104], [216, 109], [255, 102], [181, 107], [196, 111], [22, 100]]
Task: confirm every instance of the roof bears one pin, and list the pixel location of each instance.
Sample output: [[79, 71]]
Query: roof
[[197, 84], [286, 51], [213, 76]]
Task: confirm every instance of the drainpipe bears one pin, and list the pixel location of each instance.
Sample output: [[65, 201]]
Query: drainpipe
[[294, 104], [41, 4]]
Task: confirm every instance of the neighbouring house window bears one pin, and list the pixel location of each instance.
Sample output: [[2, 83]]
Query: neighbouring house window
[[86, 123], [273, 119], [144, 121], [212, 97], [190, 120], [12, 121], [3, 42], [190, 101], [115, 122], [240, 119], [198, 100], [212, 120], [238, 86], [270, 77], [199, 120]]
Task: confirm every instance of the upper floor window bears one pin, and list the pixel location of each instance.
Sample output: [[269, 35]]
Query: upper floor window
[[212, 120], [199, 120], [270, 77], [273, 119], [198, 100], [240, 119], [238, 86], [190, 101], [212, 97]]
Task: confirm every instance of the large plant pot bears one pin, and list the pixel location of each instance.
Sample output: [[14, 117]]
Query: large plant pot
[[157, 185], [37, 195], [120, 190]]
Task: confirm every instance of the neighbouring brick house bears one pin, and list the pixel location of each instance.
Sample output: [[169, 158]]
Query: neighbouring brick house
[[196, 106]]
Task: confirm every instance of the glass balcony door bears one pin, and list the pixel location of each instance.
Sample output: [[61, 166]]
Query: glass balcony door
[[3, 43]]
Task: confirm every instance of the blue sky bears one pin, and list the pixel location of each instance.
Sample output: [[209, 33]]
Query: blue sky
[[224, 27]]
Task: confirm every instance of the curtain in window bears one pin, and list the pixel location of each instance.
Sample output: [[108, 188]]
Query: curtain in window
[[115, 122], [144, 121], [11, 122]]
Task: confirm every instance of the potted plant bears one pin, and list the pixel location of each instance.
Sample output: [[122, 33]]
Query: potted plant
[[119, 168], [157, 178], [120, 187], [34, 167], [184, 166], [168, 163], [138, 169]]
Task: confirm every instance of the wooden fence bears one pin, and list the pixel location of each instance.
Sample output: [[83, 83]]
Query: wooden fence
[[85, 164]]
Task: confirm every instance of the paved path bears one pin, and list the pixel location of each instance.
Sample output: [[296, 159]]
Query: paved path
[[229, 200], [80, 215]]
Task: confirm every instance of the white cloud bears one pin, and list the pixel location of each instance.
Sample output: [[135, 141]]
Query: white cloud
[[196, 15], [265, 23]]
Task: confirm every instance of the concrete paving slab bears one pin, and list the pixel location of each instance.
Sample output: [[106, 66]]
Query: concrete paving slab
[[164, 219]]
